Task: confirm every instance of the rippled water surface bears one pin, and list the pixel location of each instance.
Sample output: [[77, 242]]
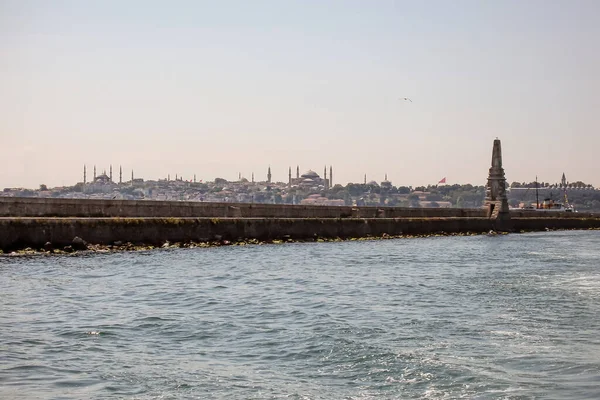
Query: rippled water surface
[[515, 316]]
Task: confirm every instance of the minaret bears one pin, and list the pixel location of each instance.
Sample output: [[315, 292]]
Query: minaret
[[269, 175], [94, 172], [495, 199], [120, 174], [365, 179], [290, 177], [325, 177], [110, 172], [386, 176], [563, 180], [194, 178], [132, 177], [330, 176], [239, 176], [253, 177], [297, 171], [168, 177], [84, 175]]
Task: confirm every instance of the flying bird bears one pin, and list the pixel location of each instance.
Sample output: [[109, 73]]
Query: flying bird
[[407, 99]]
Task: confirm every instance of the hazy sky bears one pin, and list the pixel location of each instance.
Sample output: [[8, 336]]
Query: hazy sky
[[220, 87]]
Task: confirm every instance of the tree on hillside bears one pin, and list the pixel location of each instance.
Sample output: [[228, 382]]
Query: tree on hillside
[[413, 200], [433, 197], [356, 189]]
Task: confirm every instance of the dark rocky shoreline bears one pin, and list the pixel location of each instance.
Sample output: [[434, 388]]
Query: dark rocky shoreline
[[80, 247]]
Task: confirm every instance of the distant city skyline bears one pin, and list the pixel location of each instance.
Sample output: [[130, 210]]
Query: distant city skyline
[[263, 176], [90, 171], [215, 89]]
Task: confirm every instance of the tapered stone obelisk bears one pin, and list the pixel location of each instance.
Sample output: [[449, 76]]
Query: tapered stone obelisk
[[496, 202]]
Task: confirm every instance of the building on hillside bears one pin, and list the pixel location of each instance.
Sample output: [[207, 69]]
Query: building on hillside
[[317, 199]]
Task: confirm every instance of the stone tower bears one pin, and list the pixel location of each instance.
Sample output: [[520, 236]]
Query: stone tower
[[269, 175], [496, 202], [290, 177], [330, 176], [84, 175]]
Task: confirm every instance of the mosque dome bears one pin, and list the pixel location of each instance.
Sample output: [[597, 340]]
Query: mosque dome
[[310, 174], [373, 183], [102, 178]]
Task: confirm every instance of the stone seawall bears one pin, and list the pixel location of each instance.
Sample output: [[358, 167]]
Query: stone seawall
[[86, 208], [35, 232]]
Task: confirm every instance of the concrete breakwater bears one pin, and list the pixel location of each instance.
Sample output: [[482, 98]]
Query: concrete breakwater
[[34, 222], [16, 233], [94, 208]]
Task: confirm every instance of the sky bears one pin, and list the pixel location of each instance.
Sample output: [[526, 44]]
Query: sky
[[218, 88]]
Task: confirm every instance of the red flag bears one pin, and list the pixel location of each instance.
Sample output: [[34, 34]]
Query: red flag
[[443, 180]]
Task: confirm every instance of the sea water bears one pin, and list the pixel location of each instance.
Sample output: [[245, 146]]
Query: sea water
[[486, 317]]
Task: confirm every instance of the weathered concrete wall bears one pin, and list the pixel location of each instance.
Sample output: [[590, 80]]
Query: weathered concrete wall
[[35, 232], [153, 222], [84, 208]]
